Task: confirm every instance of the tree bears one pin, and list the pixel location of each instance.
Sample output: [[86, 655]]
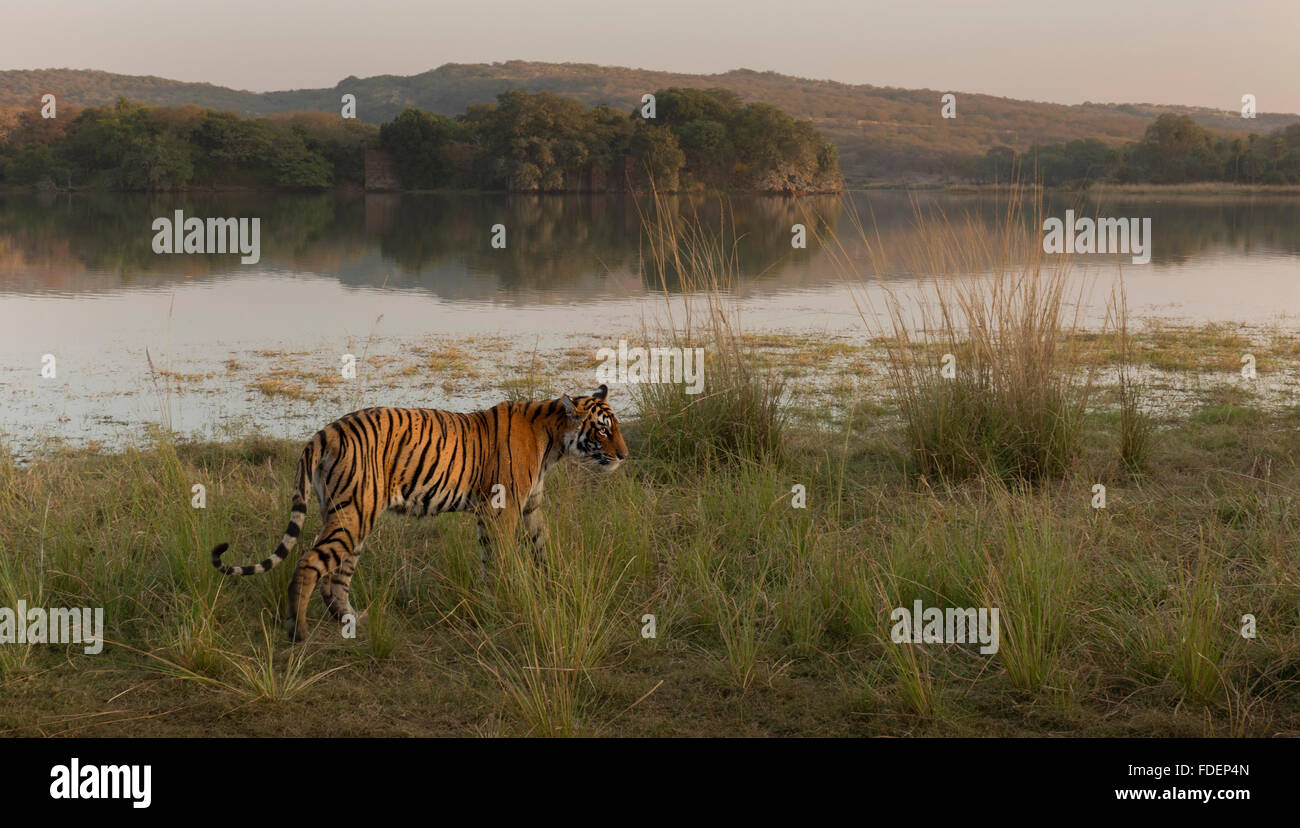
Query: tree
[[677, 107], [419, 143], [1175, 149], [532, 142], [156, 162], [29, 165], [709, 153], [298, 165], [657, 157]]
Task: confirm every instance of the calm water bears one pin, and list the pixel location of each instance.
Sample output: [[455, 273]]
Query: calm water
[[387, 274]]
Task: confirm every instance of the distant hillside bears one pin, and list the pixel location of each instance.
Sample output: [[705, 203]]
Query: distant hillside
[[881, 132]]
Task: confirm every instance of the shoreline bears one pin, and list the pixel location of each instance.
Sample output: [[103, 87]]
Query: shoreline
[[280, 392], [354, 190], [1207, 189]]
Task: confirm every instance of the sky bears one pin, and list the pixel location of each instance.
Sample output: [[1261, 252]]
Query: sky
[[1191, 52]]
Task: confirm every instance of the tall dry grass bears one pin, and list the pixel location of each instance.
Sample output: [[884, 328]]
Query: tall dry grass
[[738, 415], [983, 364], [1135, 426]]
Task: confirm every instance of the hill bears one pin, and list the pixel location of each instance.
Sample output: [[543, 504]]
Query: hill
[[881, 132]]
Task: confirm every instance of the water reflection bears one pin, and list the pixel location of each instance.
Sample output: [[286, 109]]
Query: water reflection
[[559, 248], [387, 276]]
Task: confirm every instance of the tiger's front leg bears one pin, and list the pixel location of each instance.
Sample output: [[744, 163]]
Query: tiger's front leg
[[498, 523], [535, 524], [495, 528]]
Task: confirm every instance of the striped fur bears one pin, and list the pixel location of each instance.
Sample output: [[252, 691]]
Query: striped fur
[[422, 461]]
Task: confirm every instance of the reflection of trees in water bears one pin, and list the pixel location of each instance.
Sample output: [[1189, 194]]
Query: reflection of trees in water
[[555, 243], [1183, 228], [563, 241], [551, 241], [111, 236], [755, 234]]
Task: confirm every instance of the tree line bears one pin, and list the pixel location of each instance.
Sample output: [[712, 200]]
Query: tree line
[[543, 142], [882, 133], [129, 146], [698, 139], [1173, 150]]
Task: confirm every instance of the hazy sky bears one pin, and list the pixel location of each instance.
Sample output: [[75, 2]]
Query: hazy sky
[[1162, 51]]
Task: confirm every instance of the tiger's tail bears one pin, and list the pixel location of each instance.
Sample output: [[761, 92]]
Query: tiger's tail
[[297, 516]]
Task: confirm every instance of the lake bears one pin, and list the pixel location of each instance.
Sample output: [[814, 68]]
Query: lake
[[412, 286]]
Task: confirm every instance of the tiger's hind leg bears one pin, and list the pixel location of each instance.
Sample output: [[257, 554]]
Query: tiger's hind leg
[[334, 545], [336, 589]]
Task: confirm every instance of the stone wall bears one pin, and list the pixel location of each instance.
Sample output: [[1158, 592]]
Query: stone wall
[[379, 172]]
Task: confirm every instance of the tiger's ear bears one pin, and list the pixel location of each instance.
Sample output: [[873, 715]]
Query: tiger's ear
[[569, 407], [600, 392]]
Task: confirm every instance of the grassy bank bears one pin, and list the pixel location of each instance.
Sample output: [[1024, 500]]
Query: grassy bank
[[1216, 189], [764, 531], [769, 619]]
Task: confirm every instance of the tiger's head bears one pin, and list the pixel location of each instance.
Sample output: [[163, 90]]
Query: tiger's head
[[592, 435]]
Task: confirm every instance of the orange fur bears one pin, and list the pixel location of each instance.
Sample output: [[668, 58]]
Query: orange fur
[[422, 461]]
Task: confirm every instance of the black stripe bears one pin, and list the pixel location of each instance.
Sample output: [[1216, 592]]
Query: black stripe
[[342, 504], [419, 465]]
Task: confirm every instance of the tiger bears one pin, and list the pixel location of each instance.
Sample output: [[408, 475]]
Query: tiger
[[424, 461]]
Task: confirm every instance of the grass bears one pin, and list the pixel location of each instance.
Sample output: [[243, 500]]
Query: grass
[[983, 367], [769, 536], [1134, 424], [769, 619], [1033, 582], [273, 386], [737, 414]]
